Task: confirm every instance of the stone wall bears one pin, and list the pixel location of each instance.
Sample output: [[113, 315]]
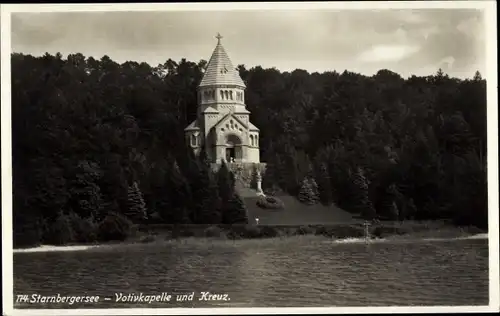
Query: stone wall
[[246, 173]]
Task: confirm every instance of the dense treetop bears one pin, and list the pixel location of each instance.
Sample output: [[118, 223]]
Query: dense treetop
[[85, 130]]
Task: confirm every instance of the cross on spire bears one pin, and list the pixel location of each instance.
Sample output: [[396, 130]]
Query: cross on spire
[[218, 37]]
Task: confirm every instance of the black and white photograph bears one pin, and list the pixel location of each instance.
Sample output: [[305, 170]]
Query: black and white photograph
[[229, 158]]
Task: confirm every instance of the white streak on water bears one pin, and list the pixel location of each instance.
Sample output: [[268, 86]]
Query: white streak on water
[[48, 248], [403, 238]]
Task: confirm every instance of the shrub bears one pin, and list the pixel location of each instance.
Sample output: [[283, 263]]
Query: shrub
[[273, 191], [252, 231], [284, 231], [114, 227], [325, 231], [270, 203], [231, 234], [213, 231], [474, 230], [305, 230], [184, 232], [269, 231], [60, 231], [384, 231], [348, 231], [340, 231], [27, 233], [147, 239], [155, 217], [84, 229], [243, 231]]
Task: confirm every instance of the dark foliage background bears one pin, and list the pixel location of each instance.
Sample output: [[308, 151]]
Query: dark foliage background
[[94, 140]]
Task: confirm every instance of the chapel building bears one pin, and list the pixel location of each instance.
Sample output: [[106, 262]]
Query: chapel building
[[223, 124]]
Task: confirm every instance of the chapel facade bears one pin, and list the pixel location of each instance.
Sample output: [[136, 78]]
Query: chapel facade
[[223, 124]]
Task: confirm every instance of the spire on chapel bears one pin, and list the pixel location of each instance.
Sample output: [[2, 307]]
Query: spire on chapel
[[220, 69]]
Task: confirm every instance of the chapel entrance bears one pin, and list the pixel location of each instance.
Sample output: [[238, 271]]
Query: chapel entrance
[[230, 154], [233, 148]]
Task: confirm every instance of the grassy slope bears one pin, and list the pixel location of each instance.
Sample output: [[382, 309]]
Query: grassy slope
[[296, 213]]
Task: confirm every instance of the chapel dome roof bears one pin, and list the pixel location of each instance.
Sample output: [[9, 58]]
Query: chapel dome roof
[[220, 69]]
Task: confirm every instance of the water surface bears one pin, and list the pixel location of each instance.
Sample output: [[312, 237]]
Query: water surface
[[292, 272]]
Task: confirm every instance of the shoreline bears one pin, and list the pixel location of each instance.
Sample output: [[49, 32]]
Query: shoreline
[[393, 238]]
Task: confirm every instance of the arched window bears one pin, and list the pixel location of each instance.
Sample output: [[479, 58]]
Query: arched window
[[222, 95], [213, 94], [256, 141], [251, 140], [226, 94], [231, 95], [193, 140]]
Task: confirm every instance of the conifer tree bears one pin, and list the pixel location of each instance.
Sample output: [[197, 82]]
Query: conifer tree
[[324, 184], [408, 210], [108, 206], [177, 194], [272, 177], [203, 157], [191, 167], [225, 183], [360, 200], [393, 211], [85, 194], [235, 211], [182, 192], [314, 188], [136, 210], [425, 120], [387, 206], [306, 193], [59, 231], [477, 76], [206, 198]]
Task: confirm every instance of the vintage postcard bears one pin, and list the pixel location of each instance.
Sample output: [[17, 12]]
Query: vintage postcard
[[249, 158]]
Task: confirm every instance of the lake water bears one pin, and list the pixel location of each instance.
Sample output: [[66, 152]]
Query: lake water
[[307, 271]]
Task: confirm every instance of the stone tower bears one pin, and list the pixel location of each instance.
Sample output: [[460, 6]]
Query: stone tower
[[223, 124]]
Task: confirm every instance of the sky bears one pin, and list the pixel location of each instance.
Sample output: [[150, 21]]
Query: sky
[[409, 42]]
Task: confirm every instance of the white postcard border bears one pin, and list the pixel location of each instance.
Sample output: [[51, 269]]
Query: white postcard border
[[489, 8]]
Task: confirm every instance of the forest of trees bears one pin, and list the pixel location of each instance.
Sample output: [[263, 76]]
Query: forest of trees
[[93, 138]]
